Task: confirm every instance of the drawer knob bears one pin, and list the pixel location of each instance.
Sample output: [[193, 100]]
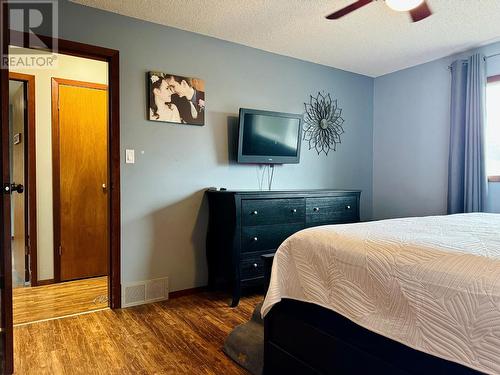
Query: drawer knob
[[316, 209], [294, 210], [348, 207], [255, 265], [255, 212], [255, 239]]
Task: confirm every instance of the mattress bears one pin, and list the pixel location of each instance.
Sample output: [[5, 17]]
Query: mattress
[[431, 283]]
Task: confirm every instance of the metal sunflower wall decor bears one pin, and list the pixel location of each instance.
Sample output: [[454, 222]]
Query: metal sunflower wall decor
[[323, 123]]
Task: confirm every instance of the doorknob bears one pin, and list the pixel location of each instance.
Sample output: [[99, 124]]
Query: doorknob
[[17, 188], [10, 188]]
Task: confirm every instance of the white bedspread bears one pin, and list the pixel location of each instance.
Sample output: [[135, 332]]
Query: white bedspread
[[431, 283]]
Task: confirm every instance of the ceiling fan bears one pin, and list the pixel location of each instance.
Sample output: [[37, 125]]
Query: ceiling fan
[[418, 9]]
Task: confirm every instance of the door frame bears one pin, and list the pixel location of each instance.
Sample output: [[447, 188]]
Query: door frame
[[6, 337], [56, 164], [112, 57], [30, 169]]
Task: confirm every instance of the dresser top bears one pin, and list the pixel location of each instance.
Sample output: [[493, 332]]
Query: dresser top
[[284, 192]]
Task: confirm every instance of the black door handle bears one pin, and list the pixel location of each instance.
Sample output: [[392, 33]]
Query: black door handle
[[18, 188]]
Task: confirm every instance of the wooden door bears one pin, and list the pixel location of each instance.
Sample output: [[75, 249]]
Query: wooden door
[[80, 169], [18, 201]]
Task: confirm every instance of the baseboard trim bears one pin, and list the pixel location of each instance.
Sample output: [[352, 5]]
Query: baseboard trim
[[187, 292], [45, 282]]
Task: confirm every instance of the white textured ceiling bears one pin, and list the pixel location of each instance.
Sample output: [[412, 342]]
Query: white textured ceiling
[[373, 40]]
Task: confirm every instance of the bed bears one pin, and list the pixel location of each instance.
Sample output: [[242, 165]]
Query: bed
[[401, 296]]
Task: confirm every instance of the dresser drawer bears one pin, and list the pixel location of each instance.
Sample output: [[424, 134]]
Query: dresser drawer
[[324, 210], [266, 237], [252, 267], [272, 211]]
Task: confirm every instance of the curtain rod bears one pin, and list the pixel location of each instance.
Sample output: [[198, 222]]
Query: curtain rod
[[485, 58], [495, 54]]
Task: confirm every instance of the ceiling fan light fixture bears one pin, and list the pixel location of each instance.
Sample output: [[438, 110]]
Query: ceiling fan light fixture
[[403, 5]]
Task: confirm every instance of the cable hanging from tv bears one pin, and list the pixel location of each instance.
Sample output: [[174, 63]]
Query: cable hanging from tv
[[267, 170]]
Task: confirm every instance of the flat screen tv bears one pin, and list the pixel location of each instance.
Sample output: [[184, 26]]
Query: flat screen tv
[[269, 137]]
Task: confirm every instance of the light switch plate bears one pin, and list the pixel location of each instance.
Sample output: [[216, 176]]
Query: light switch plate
[[130, 156]]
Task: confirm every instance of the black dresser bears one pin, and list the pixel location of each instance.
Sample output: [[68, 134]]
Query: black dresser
[[244, 225]]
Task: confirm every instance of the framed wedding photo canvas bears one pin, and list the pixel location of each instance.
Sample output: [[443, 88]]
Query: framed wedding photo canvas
[[176, 99]]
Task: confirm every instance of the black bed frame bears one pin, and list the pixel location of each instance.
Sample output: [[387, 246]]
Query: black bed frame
[[303, 338]]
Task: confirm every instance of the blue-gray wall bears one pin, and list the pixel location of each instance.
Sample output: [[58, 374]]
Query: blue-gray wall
[[164, 215], [411, 139]]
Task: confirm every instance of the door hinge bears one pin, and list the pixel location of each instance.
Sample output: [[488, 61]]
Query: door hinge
[[60, 250]]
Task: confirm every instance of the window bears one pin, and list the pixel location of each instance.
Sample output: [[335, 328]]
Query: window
[[493, 128]]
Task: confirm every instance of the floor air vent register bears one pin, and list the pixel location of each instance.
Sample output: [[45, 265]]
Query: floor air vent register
[[141, 292]]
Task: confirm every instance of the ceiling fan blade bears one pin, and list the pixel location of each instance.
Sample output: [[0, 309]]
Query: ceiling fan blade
[[348, 9], [420, 12]]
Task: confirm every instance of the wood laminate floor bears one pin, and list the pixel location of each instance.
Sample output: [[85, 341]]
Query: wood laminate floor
[[181, 336], [51, 301]]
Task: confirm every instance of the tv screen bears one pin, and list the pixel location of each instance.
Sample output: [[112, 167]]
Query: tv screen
[[269, 137]]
